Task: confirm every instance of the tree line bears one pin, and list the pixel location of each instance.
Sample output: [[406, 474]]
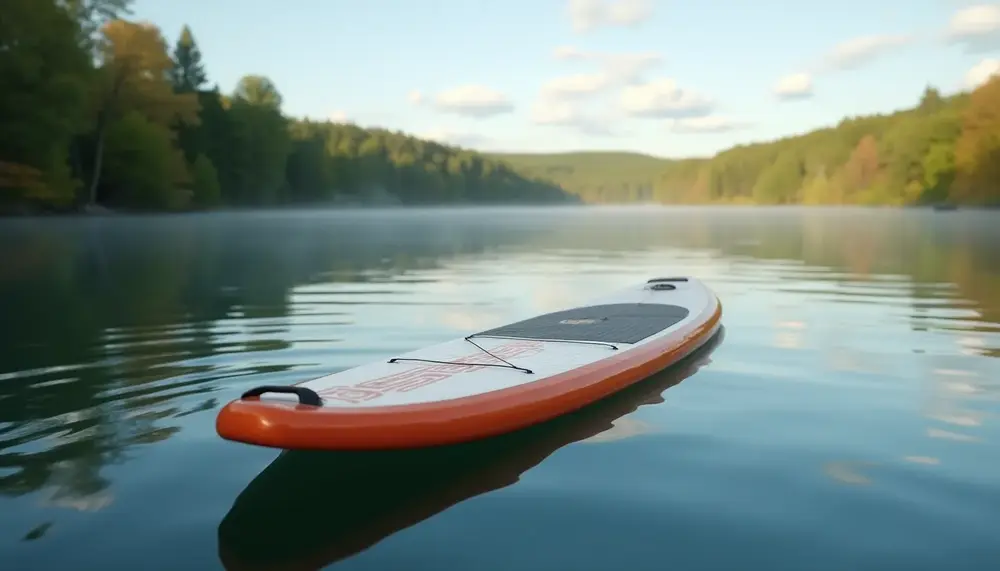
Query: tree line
[[943, 150], [97, 110]]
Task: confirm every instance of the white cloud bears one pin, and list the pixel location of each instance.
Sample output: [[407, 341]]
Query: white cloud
[[629, 68], [622, 66], [339, 117], [977, 27], [569, 53], [415, 97], [566, 114], [981, 72], [615, 69], [857, 52], [549, 112], [574, 86], [588, 15], [629, 12], [473, 101], [706, 124], [794, 86], [663, 98]]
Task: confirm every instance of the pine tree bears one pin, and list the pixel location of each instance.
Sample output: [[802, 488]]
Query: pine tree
[[188, 74]]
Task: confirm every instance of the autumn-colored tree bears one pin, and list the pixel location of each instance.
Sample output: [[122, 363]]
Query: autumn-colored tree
[[977, 151], [258, 90], [863, 165], [134, 76]]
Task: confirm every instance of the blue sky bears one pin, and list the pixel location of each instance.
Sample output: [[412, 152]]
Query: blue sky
[[667, 77]]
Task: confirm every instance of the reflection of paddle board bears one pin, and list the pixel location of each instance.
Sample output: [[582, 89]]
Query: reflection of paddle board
[[308, 509], [487, 383]]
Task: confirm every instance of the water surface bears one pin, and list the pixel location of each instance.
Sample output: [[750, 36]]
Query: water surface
[[846, 419]]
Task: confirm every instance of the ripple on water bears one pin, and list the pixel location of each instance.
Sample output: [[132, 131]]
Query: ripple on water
[[847, 421]]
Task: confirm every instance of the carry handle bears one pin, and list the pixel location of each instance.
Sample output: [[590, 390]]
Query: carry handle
[[306, 396]]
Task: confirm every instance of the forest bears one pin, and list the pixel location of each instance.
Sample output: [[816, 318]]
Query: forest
[[943, 150], [98, 112]]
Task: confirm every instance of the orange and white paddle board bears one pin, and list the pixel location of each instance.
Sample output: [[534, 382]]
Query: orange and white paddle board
[[486, 383]]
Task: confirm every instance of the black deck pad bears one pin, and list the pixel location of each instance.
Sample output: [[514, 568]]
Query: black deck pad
[[613, 323]]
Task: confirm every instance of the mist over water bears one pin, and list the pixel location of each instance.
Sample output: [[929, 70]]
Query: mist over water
[[848, 419]]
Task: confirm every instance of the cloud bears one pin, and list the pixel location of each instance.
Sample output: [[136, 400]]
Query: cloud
[[629, 12], [626, 67], [589, 15], [475, 101], [663, 98], [629, 68], [339, 117], [415, 97], [794, 86], [574, 86], [981, 72], [614, 70], [557, 113], [858, 52], [569, 53], [707, 124], [977, 27]]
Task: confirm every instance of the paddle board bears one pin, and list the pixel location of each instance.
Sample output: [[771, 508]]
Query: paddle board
[[486, 383], [261, 533]]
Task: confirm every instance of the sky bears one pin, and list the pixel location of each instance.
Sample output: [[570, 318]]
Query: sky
[[672, 78]]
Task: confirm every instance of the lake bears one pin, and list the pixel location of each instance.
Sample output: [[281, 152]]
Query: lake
[[846, 417]]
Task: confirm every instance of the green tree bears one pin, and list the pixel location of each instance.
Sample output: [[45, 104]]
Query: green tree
[[259, 91], [780, 182], [205, 183], [144, 168], [42, 101], [188, 73], [977, 151], [91, 17], [133, 77]]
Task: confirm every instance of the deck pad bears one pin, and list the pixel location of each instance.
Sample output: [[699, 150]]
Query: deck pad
[[610, 323]]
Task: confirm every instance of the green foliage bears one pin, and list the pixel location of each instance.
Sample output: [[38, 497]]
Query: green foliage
[[260, 150], [977, 151], [593, 176], [144, 167], [780, 182], [44, 79], [258, 91], [347, 163], [90, 17], [205, 183], [943, 149], [188, 73], [91, 97]]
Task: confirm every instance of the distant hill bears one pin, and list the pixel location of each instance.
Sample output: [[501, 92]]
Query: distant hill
[[595, 176], [941, 150]]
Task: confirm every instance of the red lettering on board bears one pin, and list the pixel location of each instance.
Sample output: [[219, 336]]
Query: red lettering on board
[[422, 376]]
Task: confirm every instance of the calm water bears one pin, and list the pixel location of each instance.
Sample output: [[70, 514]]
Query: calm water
[[847, 418]]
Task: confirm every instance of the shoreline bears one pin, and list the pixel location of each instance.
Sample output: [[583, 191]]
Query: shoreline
[[103, 212]]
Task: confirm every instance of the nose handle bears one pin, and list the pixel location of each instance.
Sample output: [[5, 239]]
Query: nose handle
[[306, 396]]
